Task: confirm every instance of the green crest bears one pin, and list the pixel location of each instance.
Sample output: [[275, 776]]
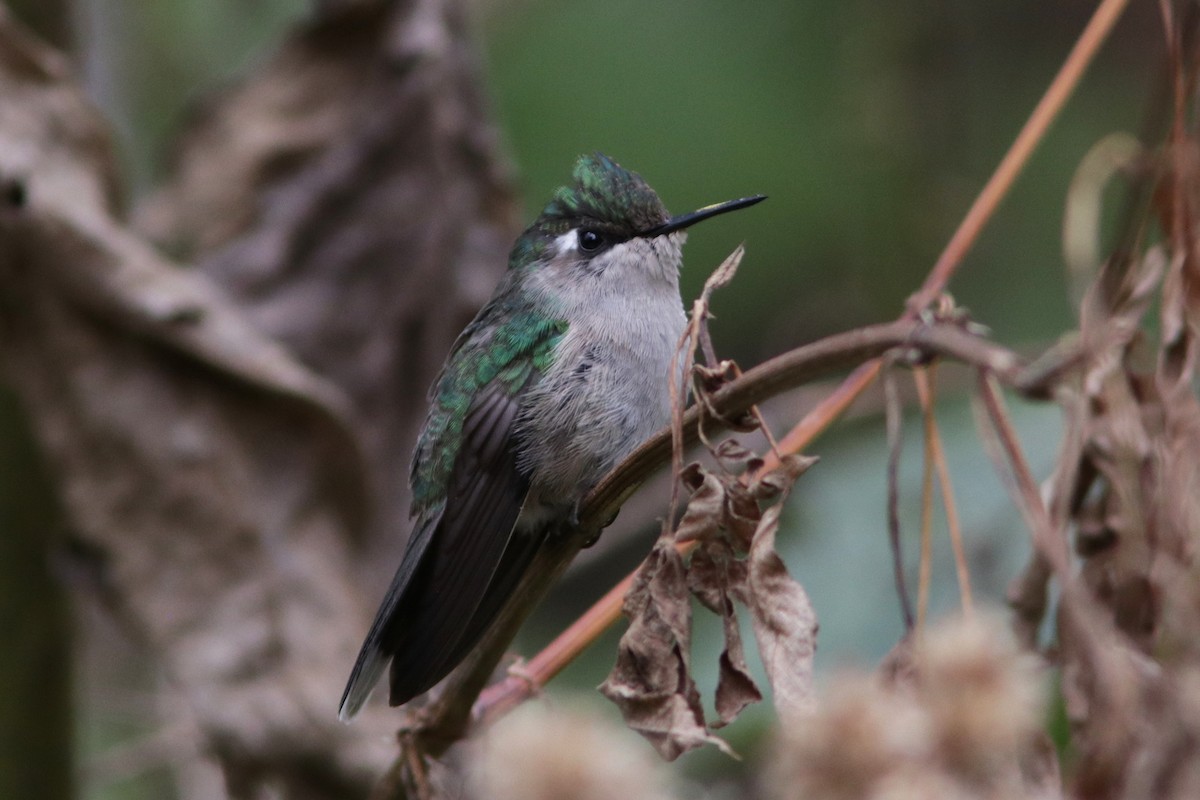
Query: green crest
[[605, 192], [603, 195]]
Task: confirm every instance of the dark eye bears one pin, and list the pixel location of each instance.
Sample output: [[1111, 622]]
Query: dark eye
[[590, 241]]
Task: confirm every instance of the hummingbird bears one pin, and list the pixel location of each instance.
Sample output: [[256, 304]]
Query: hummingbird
[[563, 373]]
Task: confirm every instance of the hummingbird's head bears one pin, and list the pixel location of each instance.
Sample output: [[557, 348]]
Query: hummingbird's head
[[608, 224], [607, 198]]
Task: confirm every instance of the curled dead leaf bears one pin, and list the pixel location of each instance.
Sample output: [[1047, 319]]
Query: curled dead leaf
[[785, 625], [776, 483], [651, 682], [736, 458], [723, 275], [714, 575], [702, 519]]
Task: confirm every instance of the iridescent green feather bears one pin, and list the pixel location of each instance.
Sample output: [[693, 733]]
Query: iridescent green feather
[[603, 194], [509, 352], [509, 341], [607, 192]]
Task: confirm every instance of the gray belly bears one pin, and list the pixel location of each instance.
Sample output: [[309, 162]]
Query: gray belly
[[595, 406]]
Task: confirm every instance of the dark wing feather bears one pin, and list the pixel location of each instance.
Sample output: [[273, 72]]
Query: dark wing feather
[[476, 530], [429, 617], [513, 565]]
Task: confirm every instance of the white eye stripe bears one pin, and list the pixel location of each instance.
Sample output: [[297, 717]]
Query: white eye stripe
[[567, 242]]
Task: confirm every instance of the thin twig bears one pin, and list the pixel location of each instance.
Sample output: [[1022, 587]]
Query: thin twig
[[1019, 152], [925, 393], [925, 575], [893, 422], [1052, 547]]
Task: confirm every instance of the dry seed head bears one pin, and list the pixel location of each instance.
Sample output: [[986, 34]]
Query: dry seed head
[[540, 753], [859, 735], [983, 696], [919, 782]]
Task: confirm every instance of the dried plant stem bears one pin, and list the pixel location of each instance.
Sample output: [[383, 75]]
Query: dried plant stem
[[1052, 547], [894, 422], [925, 393], [1018, 154], [925, 575]]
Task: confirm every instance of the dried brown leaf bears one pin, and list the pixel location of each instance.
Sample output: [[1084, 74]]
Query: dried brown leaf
[[710, 572], [723, 275], [735, 458], [1103, 682], [777, 482], [712, 378], [709, 381], [785, 625], [742, 514], [713, 576], [724, 505], [720, 277], [1177, 354], [1178, 495], [705, 512], [651, 682], [735, 688]]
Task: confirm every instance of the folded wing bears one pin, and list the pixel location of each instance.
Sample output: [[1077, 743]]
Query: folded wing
[[435, 608]]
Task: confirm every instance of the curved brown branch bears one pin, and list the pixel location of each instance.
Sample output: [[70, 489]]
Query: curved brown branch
[[779, 374], [791, 370]]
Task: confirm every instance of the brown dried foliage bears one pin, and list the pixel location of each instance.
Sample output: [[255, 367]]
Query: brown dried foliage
[[729, 525], [219, 435], [1125, 489], [227, 493], [960, 718]]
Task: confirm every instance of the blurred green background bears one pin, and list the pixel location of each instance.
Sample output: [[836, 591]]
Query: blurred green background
[[870, 125]]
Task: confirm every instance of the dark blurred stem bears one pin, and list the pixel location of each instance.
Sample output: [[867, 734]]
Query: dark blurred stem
[[49, 19], [1018, 154], [895, 438], [1049, 543], [35, 677]]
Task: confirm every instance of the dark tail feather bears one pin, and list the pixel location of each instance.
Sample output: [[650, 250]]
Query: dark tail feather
[[457, 573], [427, 653], [377, 649], [367, 670]]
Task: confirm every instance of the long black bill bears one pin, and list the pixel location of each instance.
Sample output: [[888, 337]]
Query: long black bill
[[685, 220]]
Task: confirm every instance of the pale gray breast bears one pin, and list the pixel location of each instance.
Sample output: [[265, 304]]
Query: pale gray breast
[[606, 392]]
